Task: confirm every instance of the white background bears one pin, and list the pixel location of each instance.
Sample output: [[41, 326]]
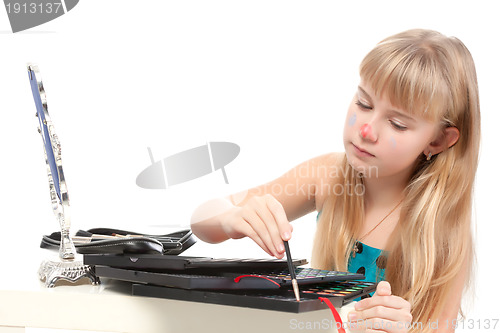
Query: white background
[[274, 77]]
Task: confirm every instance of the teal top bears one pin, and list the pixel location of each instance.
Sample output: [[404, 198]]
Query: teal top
[[369, 261]]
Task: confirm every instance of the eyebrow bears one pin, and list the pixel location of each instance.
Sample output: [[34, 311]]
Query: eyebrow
[[398, 113]]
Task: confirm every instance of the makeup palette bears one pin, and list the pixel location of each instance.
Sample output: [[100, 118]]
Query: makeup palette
[[212, 279], [342, 289], [339, 294], [303, 276]]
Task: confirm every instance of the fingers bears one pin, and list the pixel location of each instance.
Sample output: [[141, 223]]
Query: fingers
[[246, 229], [267, 219], [261, 227], [284, 226], [383, 289], [394, 302], [380, 312], [383, 312], [263, 219]]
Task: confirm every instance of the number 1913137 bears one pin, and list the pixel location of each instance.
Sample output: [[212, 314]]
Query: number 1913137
[[473, 324], [34, 8]]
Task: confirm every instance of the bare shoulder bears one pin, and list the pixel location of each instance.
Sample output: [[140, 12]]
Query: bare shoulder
[[319, 169], [329, 160], [302, 189], [328, 167]]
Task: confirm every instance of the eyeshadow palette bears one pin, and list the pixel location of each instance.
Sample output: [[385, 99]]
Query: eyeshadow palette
[[222, 280], [344, 289], [159, 262], [339, 294], [304, 276]]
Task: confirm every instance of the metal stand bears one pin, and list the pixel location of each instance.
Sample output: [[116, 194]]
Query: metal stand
[[51, 272], [66, 268]]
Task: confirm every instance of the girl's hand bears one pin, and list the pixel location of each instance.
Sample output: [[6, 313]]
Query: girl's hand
[[263, 219], [382, 313]]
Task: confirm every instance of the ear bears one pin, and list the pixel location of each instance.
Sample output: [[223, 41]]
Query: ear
[[445, 139]]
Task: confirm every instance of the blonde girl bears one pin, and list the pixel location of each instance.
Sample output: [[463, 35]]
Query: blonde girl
[[397, 202]]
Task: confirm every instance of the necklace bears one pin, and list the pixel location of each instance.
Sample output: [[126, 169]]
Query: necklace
[[355, 248]]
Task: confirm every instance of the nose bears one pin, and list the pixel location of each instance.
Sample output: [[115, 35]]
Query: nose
[[367, 133]]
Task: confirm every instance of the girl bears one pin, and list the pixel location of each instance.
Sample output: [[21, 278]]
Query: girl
[[396, 205]]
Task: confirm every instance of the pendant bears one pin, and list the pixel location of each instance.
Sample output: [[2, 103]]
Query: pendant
[[355, 250]]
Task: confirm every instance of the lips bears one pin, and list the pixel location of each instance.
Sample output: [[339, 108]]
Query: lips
[[362, 151]]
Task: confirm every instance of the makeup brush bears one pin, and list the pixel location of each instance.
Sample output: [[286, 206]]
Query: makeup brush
[[291, 268]]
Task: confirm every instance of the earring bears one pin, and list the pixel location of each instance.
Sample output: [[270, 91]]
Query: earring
[[429, 156]]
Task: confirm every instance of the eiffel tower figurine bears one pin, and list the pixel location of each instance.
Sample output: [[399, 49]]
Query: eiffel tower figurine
[[66, 268]]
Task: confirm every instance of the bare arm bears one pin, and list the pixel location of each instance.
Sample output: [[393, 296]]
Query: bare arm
[[263, 213]]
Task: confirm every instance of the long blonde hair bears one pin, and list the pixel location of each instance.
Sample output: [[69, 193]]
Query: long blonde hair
[[433, 76]]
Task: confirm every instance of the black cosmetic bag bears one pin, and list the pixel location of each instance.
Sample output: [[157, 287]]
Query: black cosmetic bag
[[107, 240]]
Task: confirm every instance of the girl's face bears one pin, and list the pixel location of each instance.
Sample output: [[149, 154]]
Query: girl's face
[[381, 140]]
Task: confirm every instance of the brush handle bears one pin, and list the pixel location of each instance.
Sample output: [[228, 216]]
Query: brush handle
[[291, 267]]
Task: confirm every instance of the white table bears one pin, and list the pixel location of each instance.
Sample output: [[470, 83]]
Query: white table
[[109, 307]]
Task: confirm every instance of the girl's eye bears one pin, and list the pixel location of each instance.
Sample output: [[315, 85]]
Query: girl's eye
[[398, 127], [363, 106]]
